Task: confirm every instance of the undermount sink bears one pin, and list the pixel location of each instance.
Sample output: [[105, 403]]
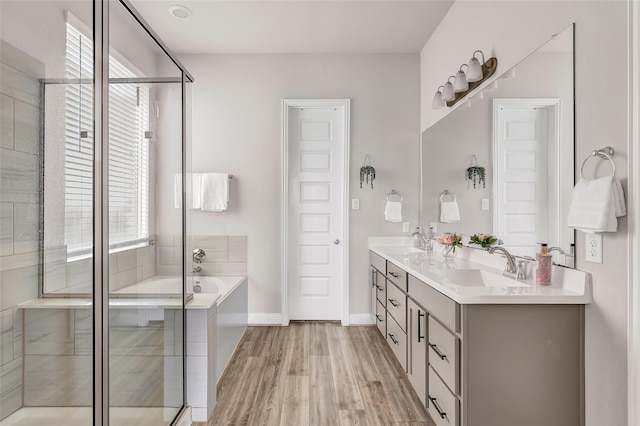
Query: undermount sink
[[477, 278]]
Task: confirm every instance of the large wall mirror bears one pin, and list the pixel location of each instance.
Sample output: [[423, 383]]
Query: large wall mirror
[[521, 130]]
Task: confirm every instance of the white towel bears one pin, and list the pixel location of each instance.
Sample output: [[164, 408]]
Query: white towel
[[449, 211], [596, 204], [193, 190], [393, 211], [215, 192]]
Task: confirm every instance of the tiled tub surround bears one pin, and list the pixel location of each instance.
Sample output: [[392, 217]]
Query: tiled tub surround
[[19, 216], [225, 254]]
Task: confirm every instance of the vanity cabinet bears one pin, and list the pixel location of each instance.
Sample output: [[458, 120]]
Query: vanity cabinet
[[417, 347], [377, 273], [485, 364]]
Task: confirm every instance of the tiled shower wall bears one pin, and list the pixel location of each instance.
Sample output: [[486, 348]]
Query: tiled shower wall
[[225, 254], [19, 221]]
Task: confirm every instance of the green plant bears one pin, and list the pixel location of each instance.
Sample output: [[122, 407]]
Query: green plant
[[477, 175], [367, 173], [483, 240]]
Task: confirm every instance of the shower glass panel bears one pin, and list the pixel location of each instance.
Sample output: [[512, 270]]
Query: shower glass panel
[[146, 238], [58, 333]]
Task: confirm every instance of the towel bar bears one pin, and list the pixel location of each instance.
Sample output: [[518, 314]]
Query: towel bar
[[605, 153]]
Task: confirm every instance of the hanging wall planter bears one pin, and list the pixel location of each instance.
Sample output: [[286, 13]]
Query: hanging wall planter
[[367, 172], [476, 174]]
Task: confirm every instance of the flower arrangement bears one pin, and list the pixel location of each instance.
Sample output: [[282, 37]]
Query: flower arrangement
[[483, 240], [454, 240]]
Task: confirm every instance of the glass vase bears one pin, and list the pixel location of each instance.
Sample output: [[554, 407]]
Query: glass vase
[[448, 253]]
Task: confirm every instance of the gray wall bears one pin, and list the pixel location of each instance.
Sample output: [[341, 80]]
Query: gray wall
[[237, 129], [509, 30]]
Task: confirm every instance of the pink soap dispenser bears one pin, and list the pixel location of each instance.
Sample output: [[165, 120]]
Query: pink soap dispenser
[[544, 263]]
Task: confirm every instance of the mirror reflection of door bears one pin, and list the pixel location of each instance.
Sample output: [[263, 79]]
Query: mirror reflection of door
[[525, 147]]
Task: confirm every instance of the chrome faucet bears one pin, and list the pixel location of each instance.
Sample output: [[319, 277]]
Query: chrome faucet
[[558, 249], [198, 254], [510, 268]]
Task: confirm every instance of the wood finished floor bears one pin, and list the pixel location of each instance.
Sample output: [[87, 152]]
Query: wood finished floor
[[315, 373]]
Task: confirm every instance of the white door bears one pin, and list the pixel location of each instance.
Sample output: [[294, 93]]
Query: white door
[[315, 212], [521, 179]]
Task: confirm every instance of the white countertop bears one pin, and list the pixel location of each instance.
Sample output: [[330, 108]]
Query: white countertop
[[569, 286]]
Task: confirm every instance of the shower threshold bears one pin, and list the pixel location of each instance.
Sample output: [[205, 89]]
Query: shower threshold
[[83, 416]]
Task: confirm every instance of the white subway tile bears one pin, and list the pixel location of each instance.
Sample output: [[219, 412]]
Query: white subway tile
[[26, 227], [27, 127], [6, 121], [6, 229], [237, 249]]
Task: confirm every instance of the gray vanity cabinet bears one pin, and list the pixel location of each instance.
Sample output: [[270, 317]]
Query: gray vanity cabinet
[[484, 364], [377, 272], [417, 347]]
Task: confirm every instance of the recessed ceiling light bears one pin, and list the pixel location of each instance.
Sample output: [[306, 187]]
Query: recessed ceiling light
[[180, 12]]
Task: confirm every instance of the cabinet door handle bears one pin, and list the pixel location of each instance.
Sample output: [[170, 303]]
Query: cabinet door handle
[[374, 278], [393, 302], [437, 351], [379, 319], [437, 407], [393, 339], [420, 315], [394, 275]]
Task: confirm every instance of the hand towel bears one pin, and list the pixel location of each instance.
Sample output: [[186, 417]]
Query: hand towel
[[593, 205], [215, 192], [449, 211], [618, 197], [193, 190], [393, 211]]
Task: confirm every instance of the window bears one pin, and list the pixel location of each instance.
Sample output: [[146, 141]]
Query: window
[[128, 153]]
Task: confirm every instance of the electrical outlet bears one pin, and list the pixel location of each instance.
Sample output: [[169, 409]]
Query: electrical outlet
[[593, 248], [433, 226], [485, 204], [405, 227], [355, 204]]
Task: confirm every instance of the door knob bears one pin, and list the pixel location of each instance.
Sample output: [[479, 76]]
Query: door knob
[[337, 241]]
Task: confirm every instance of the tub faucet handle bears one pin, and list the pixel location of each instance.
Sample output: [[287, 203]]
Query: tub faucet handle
[[198, 255]]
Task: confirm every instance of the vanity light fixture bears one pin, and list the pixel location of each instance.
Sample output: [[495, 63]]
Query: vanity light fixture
[[180, 12], [448, 93], [474, 70], [460, 83], [465, 83], [438, 102]]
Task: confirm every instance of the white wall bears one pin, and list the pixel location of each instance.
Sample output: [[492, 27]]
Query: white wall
[[509, 31], [236, 129]]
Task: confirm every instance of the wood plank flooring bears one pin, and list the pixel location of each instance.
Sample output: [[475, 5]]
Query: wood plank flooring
[[316, 373]]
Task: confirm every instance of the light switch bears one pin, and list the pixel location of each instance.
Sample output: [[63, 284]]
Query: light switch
[[485, 204], [355, 204]]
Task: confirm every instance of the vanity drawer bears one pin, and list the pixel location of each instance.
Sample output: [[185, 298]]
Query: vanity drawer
[[381, 318], [437, 304], [381, 286], [444, 348], [397, 275], [397, 340], [397, 305], [442, 405], [378, 262]]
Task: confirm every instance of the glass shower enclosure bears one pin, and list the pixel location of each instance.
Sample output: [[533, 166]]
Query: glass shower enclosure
[[94, 143]]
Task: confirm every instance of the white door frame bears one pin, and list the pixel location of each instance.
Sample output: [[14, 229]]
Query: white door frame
[[554, 104], [633, 196], [345, 104]]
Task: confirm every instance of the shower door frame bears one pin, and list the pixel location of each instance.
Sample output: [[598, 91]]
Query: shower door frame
[[101, 9]]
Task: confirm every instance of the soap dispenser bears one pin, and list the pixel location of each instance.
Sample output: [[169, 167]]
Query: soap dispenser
[[417, 238], [544, 264]]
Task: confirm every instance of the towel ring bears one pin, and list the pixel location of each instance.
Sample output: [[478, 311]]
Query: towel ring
[[447, 193], [605, 153], [394, 193]]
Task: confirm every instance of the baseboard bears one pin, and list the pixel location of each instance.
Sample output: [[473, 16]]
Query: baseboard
[[361, 319], [265, 319]]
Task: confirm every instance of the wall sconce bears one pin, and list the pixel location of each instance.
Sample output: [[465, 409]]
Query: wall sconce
[[463, 82]]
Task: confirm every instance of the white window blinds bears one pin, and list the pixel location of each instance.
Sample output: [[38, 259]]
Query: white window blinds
[[128, 153]]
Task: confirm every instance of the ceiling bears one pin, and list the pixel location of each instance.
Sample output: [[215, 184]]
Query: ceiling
[[295, 26]]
